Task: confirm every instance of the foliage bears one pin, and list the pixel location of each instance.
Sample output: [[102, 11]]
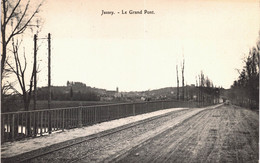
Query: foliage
[[245, 90], [69, 93], [207, 92]]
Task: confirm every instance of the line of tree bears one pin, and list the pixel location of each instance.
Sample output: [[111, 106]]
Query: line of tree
[[245, 90], [207, 93], [71, 95]]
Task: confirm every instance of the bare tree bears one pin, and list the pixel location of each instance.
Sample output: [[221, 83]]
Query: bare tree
[[197, 92], [15, 20], [177, 74], [19, 70], [199, 95], [208, 82], [202, 85], [8, 85], [186, 91], [182, 73]]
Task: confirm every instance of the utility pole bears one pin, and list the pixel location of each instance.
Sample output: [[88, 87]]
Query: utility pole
[[49, 80], [35, 81], [49, 70], [35, 72]]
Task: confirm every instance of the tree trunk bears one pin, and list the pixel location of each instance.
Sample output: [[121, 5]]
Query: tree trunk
[[177, 74], [2, 64], [26, 108], [183, 89]]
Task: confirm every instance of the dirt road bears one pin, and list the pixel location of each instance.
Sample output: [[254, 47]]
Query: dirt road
[[225, 134]]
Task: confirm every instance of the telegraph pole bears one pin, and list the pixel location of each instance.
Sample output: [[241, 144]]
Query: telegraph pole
[[35, 81], [49, 70], [49, 80], [35, 72]]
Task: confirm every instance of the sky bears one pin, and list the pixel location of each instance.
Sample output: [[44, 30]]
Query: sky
[[138, 52]]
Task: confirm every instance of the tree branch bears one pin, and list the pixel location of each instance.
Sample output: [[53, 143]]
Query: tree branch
[[11, 68], [11, 15], [25, 62], [21, 81], [18, 24], [15, 31]]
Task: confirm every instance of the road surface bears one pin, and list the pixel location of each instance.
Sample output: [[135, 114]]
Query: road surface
[[225, 134]]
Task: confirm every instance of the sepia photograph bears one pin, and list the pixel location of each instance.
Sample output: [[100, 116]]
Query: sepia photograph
[[134, 81]]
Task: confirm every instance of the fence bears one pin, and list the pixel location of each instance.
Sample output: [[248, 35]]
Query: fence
[[19, 125]]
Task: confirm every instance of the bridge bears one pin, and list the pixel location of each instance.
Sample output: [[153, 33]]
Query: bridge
[[24, 124]]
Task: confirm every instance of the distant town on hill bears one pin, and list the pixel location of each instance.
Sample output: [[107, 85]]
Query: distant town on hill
[[78, 91]]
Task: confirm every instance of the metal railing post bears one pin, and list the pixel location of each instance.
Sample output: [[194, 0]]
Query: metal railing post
[[2, 128], [49, 126], [13, 127], [79, 117], [95, 114], [63, 119]]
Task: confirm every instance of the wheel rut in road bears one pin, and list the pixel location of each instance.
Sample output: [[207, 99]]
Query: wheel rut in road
[[225, 134]]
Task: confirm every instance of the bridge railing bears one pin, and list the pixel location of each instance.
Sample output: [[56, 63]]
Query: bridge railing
[[22, 124]]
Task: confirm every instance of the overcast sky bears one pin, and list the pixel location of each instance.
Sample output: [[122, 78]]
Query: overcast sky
[[140, 52]]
